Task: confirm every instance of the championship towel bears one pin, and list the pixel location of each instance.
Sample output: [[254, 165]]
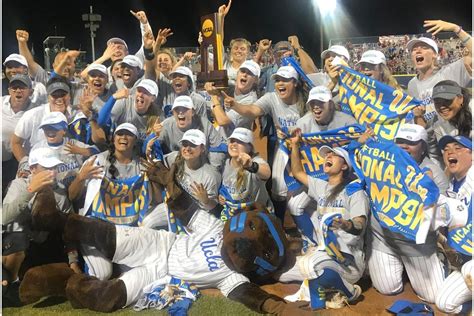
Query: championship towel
[[460, 237], [309, 153], [399, 192], [231, 207], [335, 249], [168, 292], [122, 201], [374, 103]]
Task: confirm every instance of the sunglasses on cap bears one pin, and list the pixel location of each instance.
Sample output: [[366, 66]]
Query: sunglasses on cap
[[439, 103], [124, 132], [368, 66], [278, 79], [186, 143], [402, 141]]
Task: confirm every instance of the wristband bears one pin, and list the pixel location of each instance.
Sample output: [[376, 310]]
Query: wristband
[[73, 256], [459, 30], [149, 54], [464, 41], [253, 168]]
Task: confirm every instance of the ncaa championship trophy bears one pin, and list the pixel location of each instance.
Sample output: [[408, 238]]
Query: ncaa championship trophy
[[211, 35]]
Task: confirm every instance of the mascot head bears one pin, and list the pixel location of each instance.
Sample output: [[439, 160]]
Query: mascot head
[[254, 244]]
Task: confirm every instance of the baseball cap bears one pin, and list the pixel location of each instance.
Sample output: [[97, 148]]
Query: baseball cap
[[412, 133], [117, 40], [98, 67], [287, 72], [128, 127], [194, 136], [373, 57], [339, 151], [55, 120], [243, 134], [17, 58], [338, 50], [132, 61], [56, 86], [25, 79], [320, 93], [251, 66], [45, 157], [462, 140], [183, 71], [447, 92], [150, 86], [282, 46], [183, 101], [425, 40]]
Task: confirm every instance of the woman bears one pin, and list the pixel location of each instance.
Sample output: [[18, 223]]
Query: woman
[[244, 93], [192, 173], [373, 64], [119, 163], [172, 130], [239, 52], [334, 196], [454, 108], [413, 139], [244, 176], [286, 105]]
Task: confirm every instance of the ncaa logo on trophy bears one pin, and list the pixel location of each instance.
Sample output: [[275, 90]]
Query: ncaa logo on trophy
[[211, 30]]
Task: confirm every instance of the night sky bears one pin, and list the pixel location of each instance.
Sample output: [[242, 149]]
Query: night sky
[[252, 19]]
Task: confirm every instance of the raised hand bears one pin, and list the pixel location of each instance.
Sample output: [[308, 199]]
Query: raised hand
[[224, 9], [22, 36], [294, 41], [244, 160], [90, 171], [121, 94], [228, 100], [295, 137], [209, 87], [157, 127], [436, 26], [71, 148], [149, 147], [369, 133], [148, 39], [140, 16], [163, 35], [86, 100], [264, 45]]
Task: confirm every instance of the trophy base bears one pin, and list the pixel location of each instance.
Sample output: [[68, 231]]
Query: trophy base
[[218, 77]]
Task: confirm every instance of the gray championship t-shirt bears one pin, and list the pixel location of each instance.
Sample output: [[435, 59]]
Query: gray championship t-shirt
[[308, 124], [283, 115]]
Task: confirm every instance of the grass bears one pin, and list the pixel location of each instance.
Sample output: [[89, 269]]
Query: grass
[[206, 305]]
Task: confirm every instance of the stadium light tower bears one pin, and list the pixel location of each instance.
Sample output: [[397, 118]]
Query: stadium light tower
[[93, 24], [326, 9]]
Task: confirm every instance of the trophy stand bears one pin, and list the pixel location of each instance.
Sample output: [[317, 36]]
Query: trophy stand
[[210, 35]]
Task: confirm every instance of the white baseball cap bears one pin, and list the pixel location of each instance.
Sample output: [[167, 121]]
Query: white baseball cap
[[128, 127], [45, 157], [194, 136], [150, 86], [18, 58], [412, 132], [320, 93], [338, 50], [183, 101], [243, 134], [55, 120], [99, 67], [287, 72], [132, 61], [183, 71], [373, 57], [251, 66], [426, 40], [339, 151], [117, 40]]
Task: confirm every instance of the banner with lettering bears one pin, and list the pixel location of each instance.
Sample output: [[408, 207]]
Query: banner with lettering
[[399, 191], [309, 153], [231, 206], [460, 238], [375, 103], [122, 201]]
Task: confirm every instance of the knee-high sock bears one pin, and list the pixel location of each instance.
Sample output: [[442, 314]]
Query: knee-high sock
[[304, 224], [331, 279]]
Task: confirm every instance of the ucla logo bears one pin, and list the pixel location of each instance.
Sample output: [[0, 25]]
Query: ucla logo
[[209, 249], [207, 28]]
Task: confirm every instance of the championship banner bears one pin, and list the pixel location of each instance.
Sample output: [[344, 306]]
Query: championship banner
[[309, 151], [460, 238], [399, 191], [122, 201], [231, 207], [374, 103], [79, 129]]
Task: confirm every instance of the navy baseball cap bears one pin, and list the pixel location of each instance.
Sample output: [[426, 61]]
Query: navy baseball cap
[[464, 141]]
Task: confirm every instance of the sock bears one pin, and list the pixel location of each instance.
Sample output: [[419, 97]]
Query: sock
[[331, 279], [317, 295], [465, 308], [304, 224]]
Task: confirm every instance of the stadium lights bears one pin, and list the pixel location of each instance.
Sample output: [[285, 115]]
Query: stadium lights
[[326, 7]]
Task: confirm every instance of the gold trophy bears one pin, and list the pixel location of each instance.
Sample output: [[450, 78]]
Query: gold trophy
[[211, 35]]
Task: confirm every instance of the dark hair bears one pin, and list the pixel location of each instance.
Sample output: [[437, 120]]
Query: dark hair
[[112, 169], [347, 177], [463, 119]]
